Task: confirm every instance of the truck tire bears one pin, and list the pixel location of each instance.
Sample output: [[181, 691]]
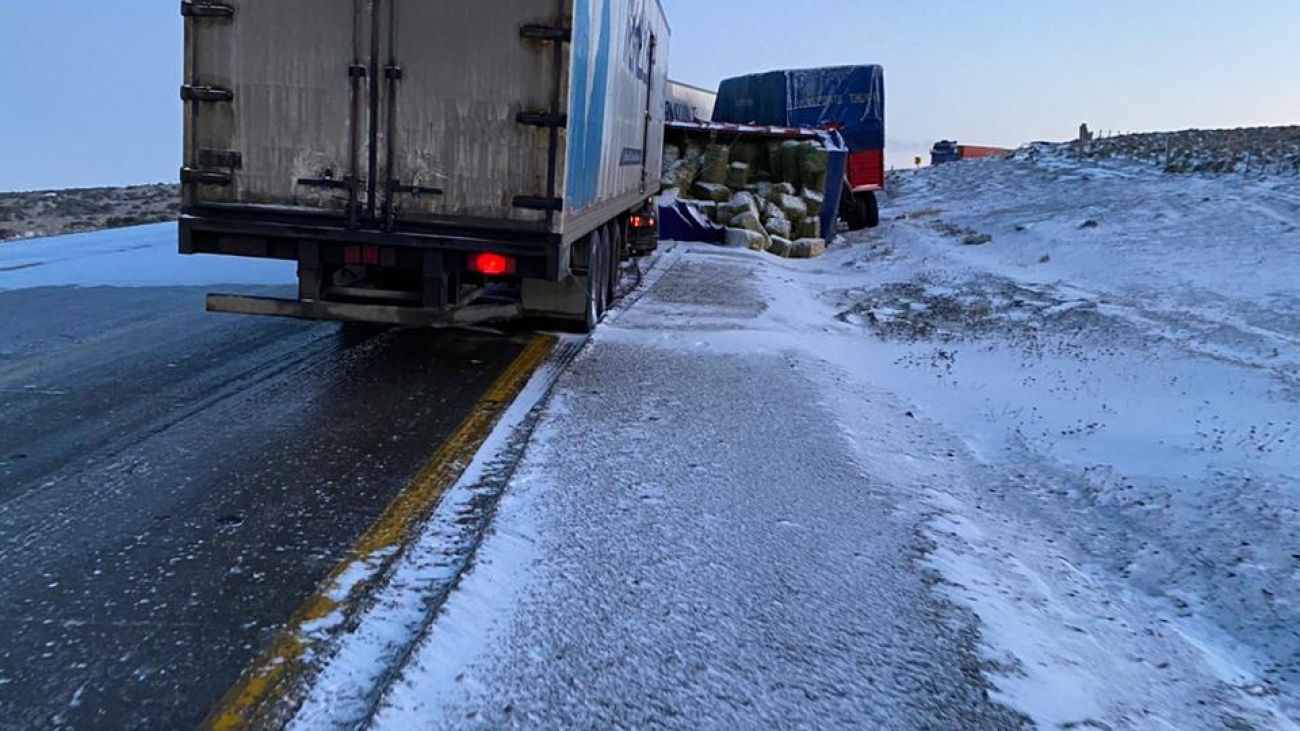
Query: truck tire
[[873, 209], [862, 211], [597, 280]]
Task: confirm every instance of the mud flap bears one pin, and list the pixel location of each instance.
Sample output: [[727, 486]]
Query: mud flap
[[566, 299]]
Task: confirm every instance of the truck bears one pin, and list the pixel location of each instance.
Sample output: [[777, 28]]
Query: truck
[[945, 151], [677, 220], [689, 103], [850, 99], [424, 163]]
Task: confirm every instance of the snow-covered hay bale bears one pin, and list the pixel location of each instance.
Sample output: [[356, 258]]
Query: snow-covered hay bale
[[748, 221], [738, 175], [794, 208], [745, 238], [780, 246], [808, 248]]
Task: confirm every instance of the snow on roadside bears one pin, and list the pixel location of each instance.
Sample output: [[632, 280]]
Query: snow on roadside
[[699, 554], [142, 256], [1093, 413], [1122, 358], [343, 694]]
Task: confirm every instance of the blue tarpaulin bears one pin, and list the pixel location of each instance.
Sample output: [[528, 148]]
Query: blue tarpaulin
[[679, 221], [852, 97]]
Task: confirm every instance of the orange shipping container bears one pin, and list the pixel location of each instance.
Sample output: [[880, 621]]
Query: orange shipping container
[[974, 152]]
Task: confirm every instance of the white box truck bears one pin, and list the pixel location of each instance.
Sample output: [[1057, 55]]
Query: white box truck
[[424, 163]]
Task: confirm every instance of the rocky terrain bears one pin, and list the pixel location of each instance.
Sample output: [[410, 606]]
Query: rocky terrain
[[1251, 150], [35, 214]]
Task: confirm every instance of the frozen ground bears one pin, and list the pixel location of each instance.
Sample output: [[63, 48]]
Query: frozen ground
[[1047, 477], [691, 542]]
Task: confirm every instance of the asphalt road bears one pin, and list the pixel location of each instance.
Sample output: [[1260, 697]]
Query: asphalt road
[[173, 484]]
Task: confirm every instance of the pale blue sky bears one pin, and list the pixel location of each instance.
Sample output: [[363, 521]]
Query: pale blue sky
[[89, 87]]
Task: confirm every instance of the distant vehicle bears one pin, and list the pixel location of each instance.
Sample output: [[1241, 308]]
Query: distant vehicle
[[688, 103], [850, 99], [949, 151], [425, 163]]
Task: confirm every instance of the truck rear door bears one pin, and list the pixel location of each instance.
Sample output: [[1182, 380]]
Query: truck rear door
[[277, 101], [473, 110], [383, 111]]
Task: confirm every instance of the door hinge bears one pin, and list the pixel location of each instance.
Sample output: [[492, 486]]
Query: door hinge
[[393, 71], [538, 203], [199, 176], [202, 93], [358, 71], [192, 9], [542, 119], [535, 32]]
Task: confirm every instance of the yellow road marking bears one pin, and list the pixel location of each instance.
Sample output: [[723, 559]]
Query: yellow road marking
[[270, 690]]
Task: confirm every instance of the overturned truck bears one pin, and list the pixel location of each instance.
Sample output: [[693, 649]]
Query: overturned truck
[[424, 163], [848, 99], [773, 189]]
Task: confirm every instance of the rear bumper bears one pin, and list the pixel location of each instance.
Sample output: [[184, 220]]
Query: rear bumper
[[349, 312], [294, 236]]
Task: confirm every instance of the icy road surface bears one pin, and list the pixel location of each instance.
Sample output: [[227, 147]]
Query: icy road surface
[[173, 483], [139, 256]]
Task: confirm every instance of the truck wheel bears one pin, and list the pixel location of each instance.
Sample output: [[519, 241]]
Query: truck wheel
[[597, 276], [873, 209], [855, 214], [862, 211]]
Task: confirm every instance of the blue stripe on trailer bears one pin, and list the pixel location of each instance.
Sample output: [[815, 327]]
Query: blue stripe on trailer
[[587, 104]]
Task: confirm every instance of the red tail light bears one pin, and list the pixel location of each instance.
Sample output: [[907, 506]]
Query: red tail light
[[491, 264], [362, 254], [643, 221]]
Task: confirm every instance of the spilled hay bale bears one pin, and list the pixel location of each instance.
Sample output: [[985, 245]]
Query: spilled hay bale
[[809, 228], [749, 222], [780, 246], [779, 226], [814, 200], [808, 248], [741, 237], [814, 161], [794, 208], [741, 202], [774, 160], [779, 190], [746, 152], [712, 192], [738, 175], [717, 164]]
